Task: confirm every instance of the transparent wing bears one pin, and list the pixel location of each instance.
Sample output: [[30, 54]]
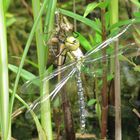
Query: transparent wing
[[120, 33], [93, 65], [127, 46], [127, 50], [35, 106], [32, 86], [91, 59]]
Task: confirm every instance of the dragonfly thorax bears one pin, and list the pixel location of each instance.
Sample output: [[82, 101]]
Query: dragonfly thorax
[[72, 43]]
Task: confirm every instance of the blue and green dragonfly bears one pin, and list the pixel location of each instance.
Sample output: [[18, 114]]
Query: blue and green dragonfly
[[78, 61]]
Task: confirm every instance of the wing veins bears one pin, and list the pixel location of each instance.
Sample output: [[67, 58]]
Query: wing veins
[[46, 78], [107, 42], [53, 93]]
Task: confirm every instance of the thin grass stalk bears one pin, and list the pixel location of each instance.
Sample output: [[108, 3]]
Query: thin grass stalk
[[49, 25], [41, 52], [6, 4], [39, 38], [74, 10], [104, 79], [26, 51], [31, 35], [4, 81], [98, 101], [49, 20], [118, 128], [114, 19], [41, 133]]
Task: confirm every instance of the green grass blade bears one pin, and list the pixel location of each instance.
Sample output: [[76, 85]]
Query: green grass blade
[[45, 107], [25, 53], [24, 74], [42, 52], [4, 86], [86, 21], [41, 133]]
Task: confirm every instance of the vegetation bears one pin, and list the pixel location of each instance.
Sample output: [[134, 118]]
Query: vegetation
[[29, 30]]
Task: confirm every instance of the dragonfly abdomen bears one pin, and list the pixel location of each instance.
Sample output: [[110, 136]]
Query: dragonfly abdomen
[[81, 102]]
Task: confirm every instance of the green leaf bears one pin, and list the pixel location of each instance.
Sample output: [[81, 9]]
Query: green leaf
[[98, 38], [91, 102], [90, 8], [24, 74], [136, 2], [27, 61], [98, 110], [107, 19], [137, 14], [110, 77], [94, 5], [83, 41], [136, 38], [86, 21], [102, 5], [122, 23], [10, 21], [137, 68]]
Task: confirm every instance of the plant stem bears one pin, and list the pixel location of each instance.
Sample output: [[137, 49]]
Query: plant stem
[[49, 25], [113, 20], [24, 55], [4, 86], [74, 10], [41, 133], [118, 129], [41, 51], [104, 78]]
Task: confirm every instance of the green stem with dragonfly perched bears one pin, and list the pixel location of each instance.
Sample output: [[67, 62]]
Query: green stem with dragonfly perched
[[41, 53], [49, 23]]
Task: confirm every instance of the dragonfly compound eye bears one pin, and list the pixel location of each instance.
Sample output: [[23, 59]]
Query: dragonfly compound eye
[[72, 43]]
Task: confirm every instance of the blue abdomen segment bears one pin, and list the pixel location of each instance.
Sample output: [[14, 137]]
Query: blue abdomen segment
[[81, 102]]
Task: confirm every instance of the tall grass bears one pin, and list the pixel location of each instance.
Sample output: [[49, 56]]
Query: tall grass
[[39, 43], [4, 84], [114, 19], [41, 53]]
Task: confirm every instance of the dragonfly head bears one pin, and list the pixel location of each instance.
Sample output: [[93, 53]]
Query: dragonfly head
[[72, 43]]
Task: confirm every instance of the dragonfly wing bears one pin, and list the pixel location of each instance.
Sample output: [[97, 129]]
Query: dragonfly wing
[[93, 64], [126, 50], [32, 86], [125, 36], [122, 32], [35, 106]]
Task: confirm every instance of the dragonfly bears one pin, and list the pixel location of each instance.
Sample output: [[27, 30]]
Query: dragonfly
[[78, 61]]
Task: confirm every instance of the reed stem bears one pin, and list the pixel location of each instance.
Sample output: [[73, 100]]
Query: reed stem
[[4, 86], [114, 19], [104, 79], [41, 53]]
